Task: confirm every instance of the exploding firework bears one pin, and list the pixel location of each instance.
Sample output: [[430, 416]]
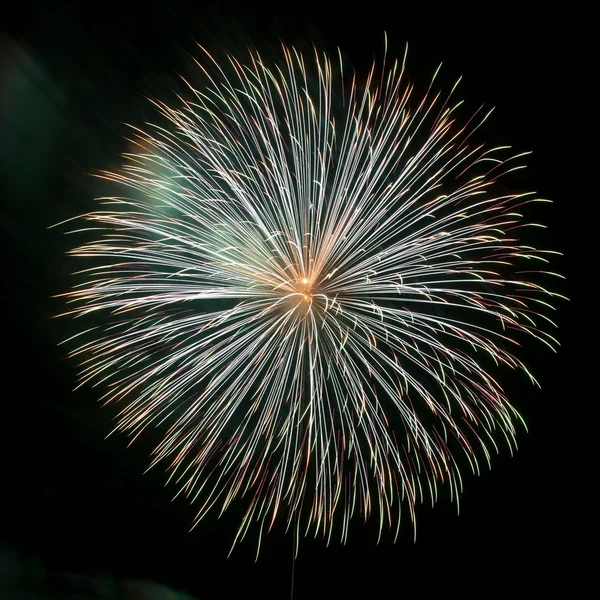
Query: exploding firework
[[305, 290]]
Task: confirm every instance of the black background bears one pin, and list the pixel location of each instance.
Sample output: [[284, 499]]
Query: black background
[[70, 76]]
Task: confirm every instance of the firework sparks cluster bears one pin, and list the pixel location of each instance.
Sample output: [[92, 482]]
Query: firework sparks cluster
[[305, 289]]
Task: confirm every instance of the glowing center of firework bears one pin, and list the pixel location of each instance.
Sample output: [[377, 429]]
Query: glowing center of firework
[[306, 288], [300, 294]]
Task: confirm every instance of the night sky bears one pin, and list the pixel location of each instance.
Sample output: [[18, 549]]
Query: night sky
[[69, 78]]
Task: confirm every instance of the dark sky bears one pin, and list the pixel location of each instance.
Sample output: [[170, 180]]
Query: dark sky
[[69, 78]]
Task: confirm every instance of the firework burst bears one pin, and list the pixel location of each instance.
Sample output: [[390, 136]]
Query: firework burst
[[304, 291]]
